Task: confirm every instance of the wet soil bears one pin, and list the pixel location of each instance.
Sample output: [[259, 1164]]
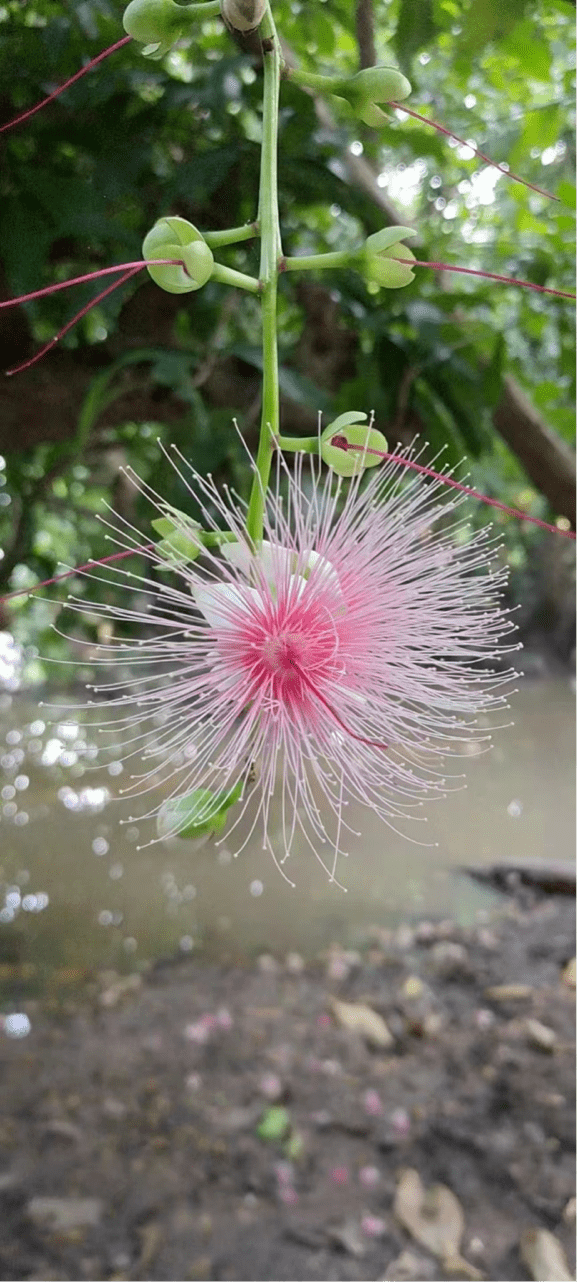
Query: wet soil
[[136, 1106]]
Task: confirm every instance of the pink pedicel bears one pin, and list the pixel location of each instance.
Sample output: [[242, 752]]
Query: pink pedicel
[[341, 443], [19, 120], [447, 133]]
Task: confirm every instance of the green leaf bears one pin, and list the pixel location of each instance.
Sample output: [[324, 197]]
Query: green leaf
[[567, 192], [493, 376], [415, 29], [274, 1124], [200, 813], [487, 21]]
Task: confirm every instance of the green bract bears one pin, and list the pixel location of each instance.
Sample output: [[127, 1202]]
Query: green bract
[[158, 24], [356, 432], [200, 813], [378, 255], [174, 237], [180, 542]]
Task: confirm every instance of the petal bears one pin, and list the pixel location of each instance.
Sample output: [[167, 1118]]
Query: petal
[[223, 604]]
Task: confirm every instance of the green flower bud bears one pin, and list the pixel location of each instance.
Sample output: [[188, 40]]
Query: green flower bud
[[353, 429], [378, 84], [180, 542], [200, 813], [158, 24], [174, 237], [378, 254], [372, 115]]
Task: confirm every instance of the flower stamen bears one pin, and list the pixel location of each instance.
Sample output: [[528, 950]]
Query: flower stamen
[[370, 743]]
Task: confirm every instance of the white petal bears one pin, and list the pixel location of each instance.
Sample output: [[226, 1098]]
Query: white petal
[[221, 603]]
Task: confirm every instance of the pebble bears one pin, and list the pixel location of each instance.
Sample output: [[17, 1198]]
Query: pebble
[[61, 1214], [348, 1236], [450, 960]]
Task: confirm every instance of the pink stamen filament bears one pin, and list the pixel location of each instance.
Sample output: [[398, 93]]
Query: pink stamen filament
[[370, 743], [400, 106], [56, 92], [341, 443], [472, 271], [133, 269], [78, 569]]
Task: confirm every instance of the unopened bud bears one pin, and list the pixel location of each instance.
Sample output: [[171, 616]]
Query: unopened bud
[[243, 15], [157, 24], [378, 84], [378, 258], [175, 237], [346, 441]]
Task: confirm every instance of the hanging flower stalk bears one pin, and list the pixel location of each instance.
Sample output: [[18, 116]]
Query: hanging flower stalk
[[335, 637]]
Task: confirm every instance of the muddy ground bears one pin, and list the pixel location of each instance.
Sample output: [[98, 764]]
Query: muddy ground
[[135, 1108]]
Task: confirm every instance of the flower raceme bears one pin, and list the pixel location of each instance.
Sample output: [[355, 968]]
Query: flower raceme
[[341, 659]]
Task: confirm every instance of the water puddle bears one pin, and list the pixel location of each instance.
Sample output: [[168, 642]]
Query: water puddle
[[75, 892]]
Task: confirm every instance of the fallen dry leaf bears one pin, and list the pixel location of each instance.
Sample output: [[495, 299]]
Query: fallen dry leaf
[[409, 1268], [570, 973], [570, 1211], [508, 992], [359, 1018], [435, 1218], [544, 1256], [540, 1034]]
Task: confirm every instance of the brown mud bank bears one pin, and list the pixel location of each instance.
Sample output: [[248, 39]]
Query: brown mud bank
[[289, 1120]]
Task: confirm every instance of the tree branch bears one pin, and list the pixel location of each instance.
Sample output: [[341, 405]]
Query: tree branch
[[365, 28], [545, 456]]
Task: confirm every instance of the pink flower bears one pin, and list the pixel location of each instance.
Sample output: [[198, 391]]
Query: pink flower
[[341, 661]]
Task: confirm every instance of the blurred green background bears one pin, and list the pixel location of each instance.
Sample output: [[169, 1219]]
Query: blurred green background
[[486, 371]]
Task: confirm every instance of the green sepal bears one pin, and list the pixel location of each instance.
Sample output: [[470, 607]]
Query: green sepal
[[175, 237], [200, 813], [357, 433], [180, 541], [156, 24], [378, 84], [377, 256]]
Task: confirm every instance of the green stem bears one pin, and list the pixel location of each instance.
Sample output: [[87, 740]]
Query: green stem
[[310, 80], [228, 276], [318, 262], [230, 235], [299, 444], [207, 10], [270, 254]]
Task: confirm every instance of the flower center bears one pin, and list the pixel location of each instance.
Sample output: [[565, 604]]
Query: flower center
[[284, 653]]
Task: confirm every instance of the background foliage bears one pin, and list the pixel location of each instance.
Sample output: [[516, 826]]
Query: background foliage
[[84, 180]]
